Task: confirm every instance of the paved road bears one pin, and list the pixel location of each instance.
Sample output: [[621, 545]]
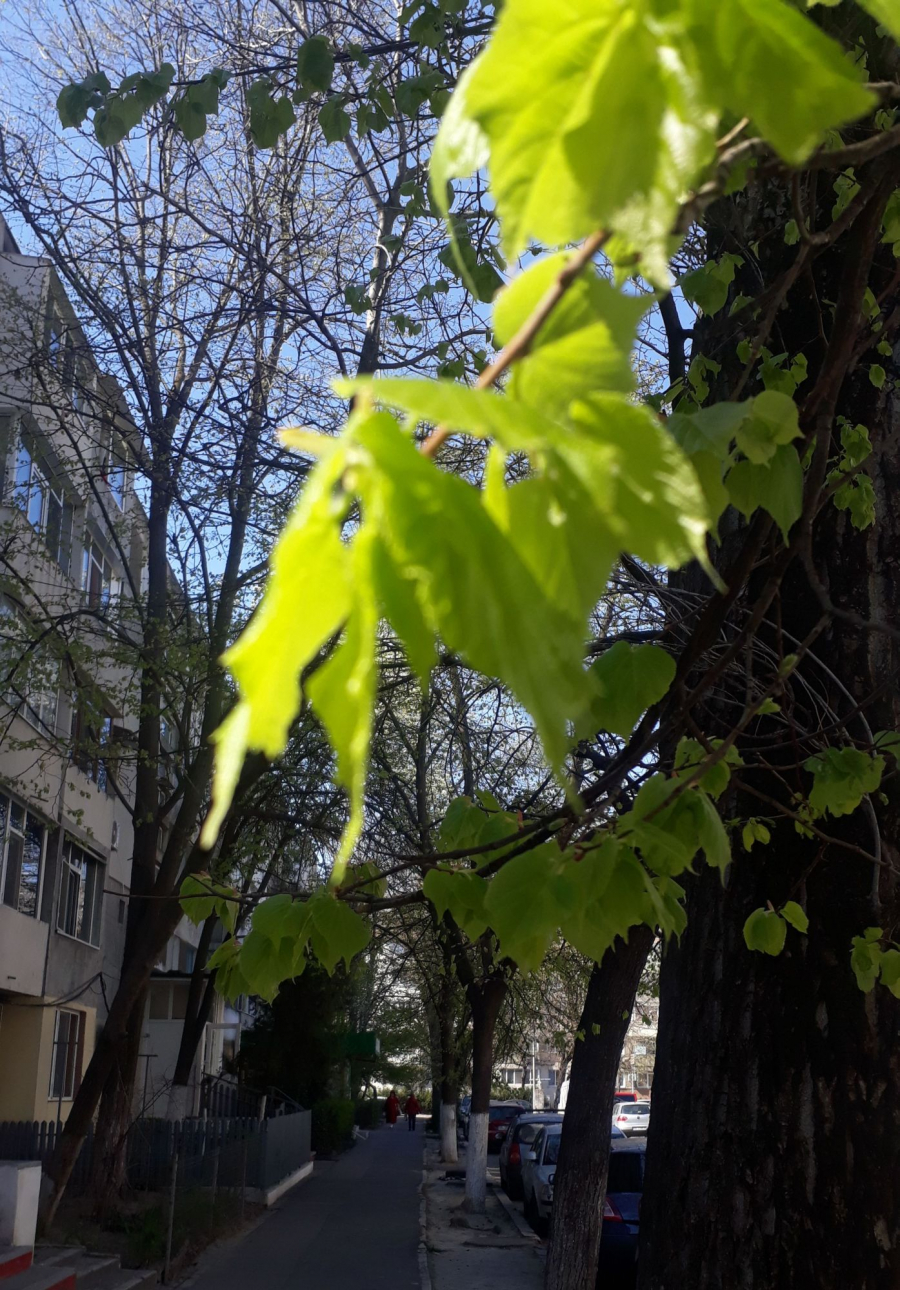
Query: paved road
[[354, 1225]]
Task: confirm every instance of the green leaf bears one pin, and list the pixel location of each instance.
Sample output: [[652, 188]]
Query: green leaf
[[792, 232], [777, 487], [795, 915], [877, 375], [750, 50], [766, 931], [196, 900], [460, 893], [310, 568], [227, 965], [75, 101], [334, 120], [708, 285], [841, 778], [709, 429], [890, 971], [523, 904], [335, 931], [690, 754], [712, 835], [632, 678], [270, 118], [865, 960], [198, 102], [315, 64], [461, 146], [858, 497], [610, 898], [397, 595], [572, 137], [342, 692], [772, 422], [585, 345], [754, 831], [888, 741]]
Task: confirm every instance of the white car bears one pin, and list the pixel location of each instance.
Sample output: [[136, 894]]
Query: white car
[[632, 1117], [538, 1174]]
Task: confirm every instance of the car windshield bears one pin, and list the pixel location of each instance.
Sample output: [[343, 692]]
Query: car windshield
[[503, 1113], [551, 1151], [626, 1172]]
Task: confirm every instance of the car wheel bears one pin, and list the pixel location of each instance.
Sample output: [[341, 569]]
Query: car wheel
[[503, 1182], [532, 1217]]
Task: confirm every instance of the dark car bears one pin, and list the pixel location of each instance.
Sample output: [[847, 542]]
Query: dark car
[[500, 1116], [617, 1264], [519, 1138]]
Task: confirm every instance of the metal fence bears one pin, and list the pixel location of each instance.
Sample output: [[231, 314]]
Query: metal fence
[[233, 1152]]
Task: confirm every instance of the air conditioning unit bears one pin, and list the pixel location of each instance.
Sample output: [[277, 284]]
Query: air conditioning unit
[[114, 840]]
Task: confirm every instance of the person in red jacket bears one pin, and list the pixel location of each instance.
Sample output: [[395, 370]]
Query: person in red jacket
[[411, 1109], [392, 1108]]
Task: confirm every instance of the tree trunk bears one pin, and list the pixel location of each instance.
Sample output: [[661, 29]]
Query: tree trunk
[[773, 1148], [580, 1184], [449, 1085], [201, 994], [109, 1165], [485, 998]]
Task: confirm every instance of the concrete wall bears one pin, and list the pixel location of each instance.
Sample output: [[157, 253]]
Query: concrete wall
[[23, 951], [26, 1056]]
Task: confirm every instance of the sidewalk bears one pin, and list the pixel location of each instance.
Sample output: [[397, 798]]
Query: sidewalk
[[354, 1225], [468, 1252]]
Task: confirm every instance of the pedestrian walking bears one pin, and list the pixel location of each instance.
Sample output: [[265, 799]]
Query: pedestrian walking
[[392, 1108], [411, 1109]]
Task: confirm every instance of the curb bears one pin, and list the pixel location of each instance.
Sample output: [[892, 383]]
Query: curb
[[519, 1221], [425, 1281]]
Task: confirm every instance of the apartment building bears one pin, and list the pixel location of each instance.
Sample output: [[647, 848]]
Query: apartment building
[[72, 536]]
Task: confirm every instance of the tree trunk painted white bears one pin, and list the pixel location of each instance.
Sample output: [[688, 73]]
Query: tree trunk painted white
[[449, 1151], [476, 1163]]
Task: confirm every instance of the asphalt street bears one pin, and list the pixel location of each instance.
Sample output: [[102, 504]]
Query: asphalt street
[[354, 1225]]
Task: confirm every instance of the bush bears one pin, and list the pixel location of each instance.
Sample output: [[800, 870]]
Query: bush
[[368, 1112], [332, 1124]]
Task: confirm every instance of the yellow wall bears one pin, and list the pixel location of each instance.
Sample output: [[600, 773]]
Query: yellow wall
[[26, 1053]]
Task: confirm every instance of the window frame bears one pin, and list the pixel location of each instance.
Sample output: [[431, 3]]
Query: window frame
[[74, 1058], [82, 912], [21, 832], [35, 493]]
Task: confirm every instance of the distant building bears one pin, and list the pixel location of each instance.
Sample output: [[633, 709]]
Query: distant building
[[639, 1049], [71, 552]]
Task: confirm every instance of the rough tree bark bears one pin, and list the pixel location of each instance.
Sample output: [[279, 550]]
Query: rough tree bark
[[485, 998], [772, 1159], [580, 1183]]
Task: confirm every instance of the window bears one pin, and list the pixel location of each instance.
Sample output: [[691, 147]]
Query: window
[[68, 1052], [29, 671], [23, 842], [45, 505], [114, 467], [551, 1151], [96, 575], [90, 738], [80, 894], [54, 340]]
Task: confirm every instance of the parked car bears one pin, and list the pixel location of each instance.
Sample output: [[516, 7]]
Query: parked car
[[632, 1117], [501, 1118], [538, 1172], [627, 1097], [617, 1262], [519, 1138]]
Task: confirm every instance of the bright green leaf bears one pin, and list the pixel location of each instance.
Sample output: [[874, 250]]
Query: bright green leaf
[[632, 678]]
